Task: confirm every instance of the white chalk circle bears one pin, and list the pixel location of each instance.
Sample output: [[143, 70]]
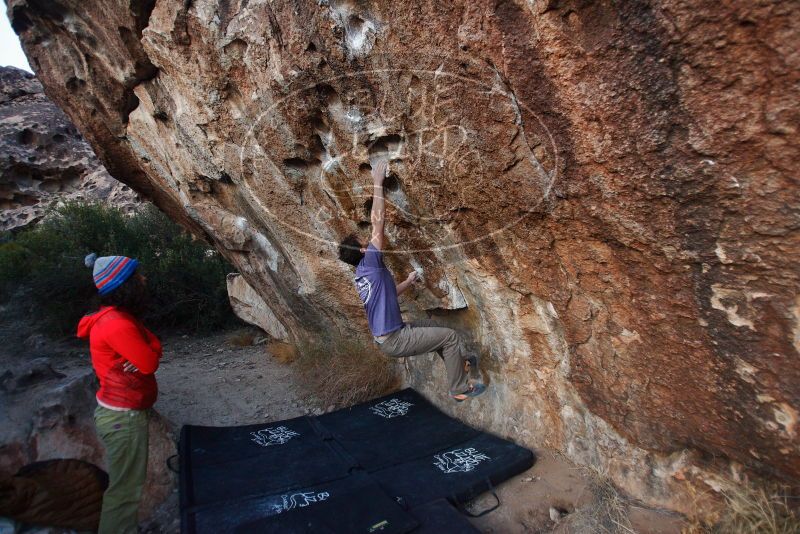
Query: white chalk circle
[[427, 123]]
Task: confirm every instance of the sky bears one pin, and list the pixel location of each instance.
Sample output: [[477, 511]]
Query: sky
[[10, 49]]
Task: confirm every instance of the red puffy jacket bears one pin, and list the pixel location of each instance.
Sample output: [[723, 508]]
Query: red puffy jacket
[[116, 337]]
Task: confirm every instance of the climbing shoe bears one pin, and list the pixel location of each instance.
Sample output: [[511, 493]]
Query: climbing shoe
[[473, 391]]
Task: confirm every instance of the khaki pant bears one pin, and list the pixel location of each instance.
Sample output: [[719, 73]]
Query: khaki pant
[[421, 337], [125, 437]]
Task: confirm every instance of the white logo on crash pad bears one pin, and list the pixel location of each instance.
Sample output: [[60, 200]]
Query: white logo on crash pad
[[301, 500], [459, 460], [391, 408], [273, 436]]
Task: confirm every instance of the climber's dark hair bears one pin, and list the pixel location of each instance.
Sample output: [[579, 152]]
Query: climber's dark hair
[[131, 296], [350, 250]]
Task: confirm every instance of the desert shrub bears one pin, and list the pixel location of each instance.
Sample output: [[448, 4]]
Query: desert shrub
[[282, 352], [185, 277], [12, 261], [342, 372]]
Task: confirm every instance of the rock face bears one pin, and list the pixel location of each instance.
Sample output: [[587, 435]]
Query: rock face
[[44, 158], [248, 306], [604, 195]]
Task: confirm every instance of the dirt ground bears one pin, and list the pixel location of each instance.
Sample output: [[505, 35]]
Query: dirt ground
[[212, 381]]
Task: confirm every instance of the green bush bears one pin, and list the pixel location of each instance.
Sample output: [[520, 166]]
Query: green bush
[[185, 277]]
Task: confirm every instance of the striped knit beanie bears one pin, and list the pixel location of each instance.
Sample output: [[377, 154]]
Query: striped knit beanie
[[110, 271]]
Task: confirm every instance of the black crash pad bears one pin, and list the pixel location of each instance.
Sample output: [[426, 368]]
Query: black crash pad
[[352, 504], [394, 429], [237, 462], [459, 472], [361, 507], [390, 459]]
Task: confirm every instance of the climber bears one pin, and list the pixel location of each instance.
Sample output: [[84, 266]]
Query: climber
[[379, 293]]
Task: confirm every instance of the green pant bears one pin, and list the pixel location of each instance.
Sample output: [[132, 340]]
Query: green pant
[[124, 435]]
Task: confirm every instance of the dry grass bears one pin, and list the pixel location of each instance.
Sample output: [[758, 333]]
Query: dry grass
[[282, 352], [243, 337], [342, 372], [606, 514], [754, 509]]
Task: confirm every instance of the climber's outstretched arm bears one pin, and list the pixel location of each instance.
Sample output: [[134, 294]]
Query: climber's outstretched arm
[[378, 209]]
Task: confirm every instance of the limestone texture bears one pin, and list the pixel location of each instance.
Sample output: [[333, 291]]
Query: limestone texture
[[602, 194], [248, 306], [45, 160]]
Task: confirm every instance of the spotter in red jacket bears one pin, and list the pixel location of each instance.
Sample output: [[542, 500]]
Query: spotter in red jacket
[[115, 337]]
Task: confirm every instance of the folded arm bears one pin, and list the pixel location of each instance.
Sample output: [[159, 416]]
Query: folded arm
[[142, 350]]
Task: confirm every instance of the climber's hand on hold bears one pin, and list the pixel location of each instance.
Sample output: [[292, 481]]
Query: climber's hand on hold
[[379, 173], [405, 284]]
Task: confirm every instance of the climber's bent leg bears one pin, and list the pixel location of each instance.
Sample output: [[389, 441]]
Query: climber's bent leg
[[414, 339]]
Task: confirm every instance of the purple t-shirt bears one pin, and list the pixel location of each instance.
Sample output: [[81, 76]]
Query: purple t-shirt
[[376, 288]]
